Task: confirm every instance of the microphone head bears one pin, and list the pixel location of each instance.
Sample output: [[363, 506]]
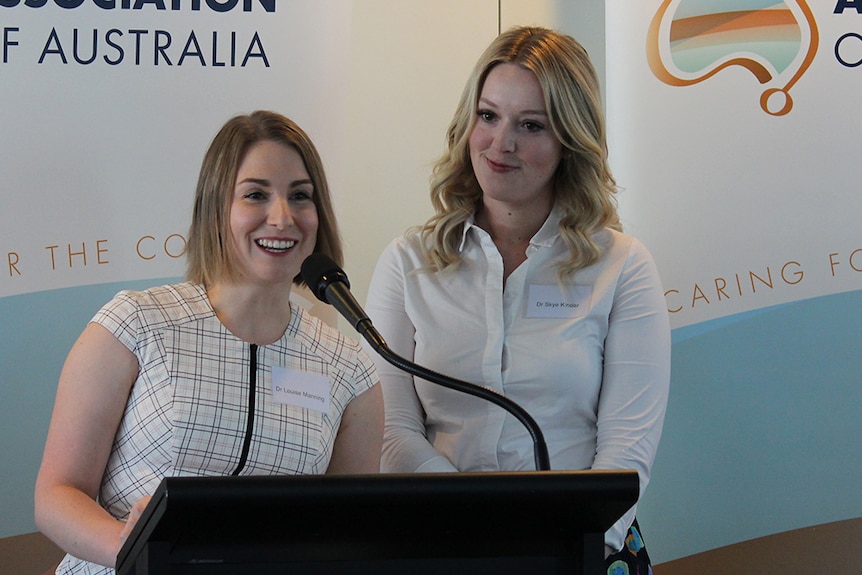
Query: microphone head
[[318, 271]]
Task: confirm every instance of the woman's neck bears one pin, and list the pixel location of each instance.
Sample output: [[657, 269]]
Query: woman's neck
[[252, 313], [511, 229], [512, 224]]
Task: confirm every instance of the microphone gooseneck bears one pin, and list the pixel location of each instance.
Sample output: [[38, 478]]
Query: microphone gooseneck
[[329, 284]]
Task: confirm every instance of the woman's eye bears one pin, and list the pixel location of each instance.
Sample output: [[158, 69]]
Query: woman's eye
[[533, 126], [485, 115], [255, 195], [301, 196]]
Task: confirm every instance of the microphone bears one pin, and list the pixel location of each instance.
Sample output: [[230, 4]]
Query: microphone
[[329, 284]]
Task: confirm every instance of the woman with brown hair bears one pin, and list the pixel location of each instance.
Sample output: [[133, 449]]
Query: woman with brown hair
[[188, 379]]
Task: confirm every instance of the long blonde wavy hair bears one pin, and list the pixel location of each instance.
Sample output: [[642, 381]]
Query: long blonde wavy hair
[[584, 187]]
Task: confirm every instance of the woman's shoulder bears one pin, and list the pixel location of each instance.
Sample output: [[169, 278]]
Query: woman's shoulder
[[411, 241], [620, 243], [407, 251], [160, 305]]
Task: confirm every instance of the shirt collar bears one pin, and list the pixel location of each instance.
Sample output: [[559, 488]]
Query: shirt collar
[[545, 237]]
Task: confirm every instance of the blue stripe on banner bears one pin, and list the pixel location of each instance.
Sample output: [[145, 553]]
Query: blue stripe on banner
[[761, 429], [38, 331]]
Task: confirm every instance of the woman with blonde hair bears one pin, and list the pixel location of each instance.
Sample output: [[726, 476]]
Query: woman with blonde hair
[[523, 282]]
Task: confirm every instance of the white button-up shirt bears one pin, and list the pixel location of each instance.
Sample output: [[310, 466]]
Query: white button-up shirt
[[588, 358]]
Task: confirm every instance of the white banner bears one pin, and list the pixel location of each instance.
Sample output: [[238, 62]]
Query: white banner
[[108, 107], [733, 130], [733, 135]]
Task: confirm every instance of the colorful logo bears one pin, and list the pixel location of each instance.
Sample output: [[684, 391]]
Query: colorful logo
[[690, 41]]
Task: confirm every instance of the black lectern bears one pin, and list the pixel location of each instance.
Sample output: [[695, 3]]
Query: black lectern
[[455, 523]]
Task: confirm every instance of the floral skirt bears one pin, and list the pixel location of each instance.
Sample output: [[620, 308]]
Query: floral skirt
[[633, 559]]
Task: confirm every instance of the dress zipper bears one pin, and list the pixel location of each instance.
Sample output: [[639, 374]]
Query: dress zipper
[[252, 390]]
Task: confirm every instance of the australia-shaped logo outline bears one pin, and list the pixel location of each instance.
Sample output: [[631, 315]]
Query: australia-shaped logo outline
[[690, 41]]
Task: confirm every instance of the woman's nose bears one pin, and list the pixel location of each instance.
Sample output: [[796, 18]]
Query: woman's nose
[[505, 139], [280, 215]]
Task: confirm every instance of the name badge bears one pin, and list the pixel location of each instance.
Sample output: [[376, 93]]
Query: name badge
[[300, 389], [556, 301]]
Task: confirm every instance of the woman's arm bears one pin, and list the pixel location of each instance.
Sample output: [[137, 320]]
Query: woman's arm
[[360, 435], [405, 445], [636, 375], [91, 398]]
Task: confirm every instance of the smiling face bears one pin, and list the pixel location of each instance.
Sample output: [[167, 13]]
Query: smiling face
[[513, 149], [273, 217]]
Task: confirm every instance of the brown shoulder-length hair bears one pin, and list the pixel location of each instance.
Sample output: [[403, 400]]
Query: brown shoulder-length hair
[[584, 187], [210, 254]]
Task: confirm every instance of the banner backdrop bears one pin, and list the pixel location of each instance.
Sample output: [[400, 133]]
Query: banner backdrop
[[733, 135], [733, 129], [107, 108]]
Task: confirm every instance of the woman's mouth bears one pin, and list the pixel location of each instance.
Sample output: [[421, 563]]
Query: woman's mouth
[[497, 167], [275, 246]]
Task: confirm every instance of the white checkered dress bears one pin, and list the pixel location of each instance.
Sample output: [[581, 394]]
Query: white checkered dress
[[188, 410]]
